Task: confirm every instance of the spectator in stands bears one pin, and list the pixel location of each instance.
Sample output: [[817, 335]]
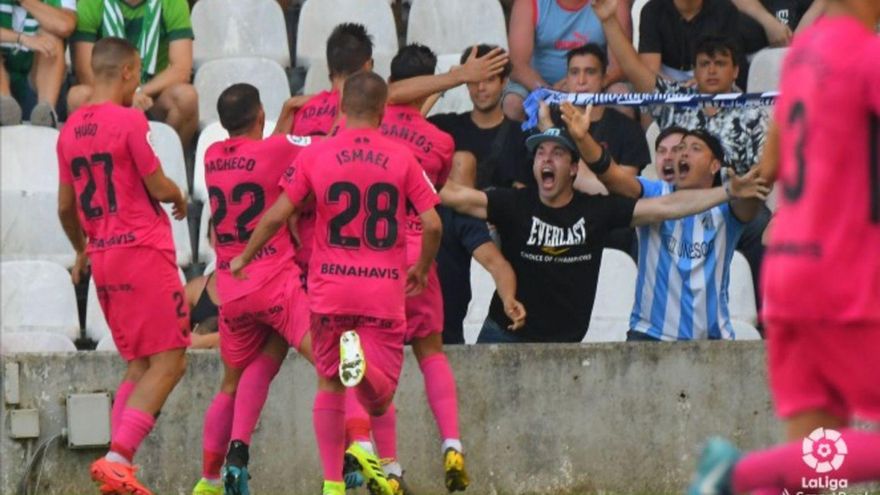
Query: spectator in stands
[[32, 66], [349, 50], [162, 31], [793, 14], [203, 301], [667, 149], [541, 33], [684, 264], [466, 237], [553, 237], [497, 143], [740, 130]]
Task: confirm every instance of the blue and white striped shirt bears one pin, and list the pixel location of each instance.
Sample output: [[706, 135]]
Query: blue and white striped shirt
[[684, 273]]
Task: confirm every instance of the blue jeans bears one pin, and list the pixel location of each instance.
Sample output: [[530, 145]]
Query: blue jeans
[[493, 333]]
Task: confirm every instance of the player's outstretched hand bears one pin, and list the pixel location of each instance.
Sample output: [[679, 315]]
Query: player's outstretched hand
[[80, 268], [416, 281], [236, 267], [517, 314], [577, 120], [749, 186], [179, 208], [476, 69]]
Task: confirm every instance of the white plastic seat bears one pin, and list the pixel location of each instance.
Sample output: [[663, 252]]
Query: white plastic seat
[[615, 295], [37, 341], [482, 289], [106, 344], [182, 239], [318, 18], [745, 331], [742, 304], [765, 70], [212, 133], [217, 75], [457, 99], [30, 227], [318, 75], [236, 28], [97, 328], [166, 143], [637, 7], [451, 26], [27, 158], [205, 252], [38, 296]]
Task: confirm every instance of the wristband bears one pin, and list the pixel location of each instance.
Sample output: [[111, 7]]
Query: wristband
[[601, 165]]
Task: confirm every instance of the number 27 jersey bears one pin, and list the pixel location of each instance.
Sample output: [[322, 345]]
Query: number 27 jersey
[[105, 153], [362, 182]]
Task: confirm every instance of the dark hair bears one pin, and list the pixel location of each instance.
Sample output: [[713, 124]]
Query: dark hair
[[711, 141], [364, 95], [589, 49], [665, 133], [712, 45], [349, 47], [110, 54], [413, 60], [482, 50], [238, 107]]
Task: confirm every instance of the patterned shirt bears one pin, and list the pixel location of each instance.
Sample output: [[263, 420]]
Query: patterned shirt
[[740, 130]]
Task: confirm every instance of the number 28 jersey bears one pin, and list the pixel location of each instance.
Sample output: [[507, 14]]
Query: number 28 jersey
[[362, 182], [242, 176], [104, 151]]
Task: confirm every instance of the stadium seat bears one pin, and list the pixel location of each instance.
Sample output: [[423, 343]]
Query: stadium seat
[[38, 341], [38, 296], [455, 100], [205, 251], [96, 325], [211, 134], [166, 144], [615, 294], [650, 172], [30, 227], [765, 70], [27, 159], [318, 75], [482, 289], [233, 28], [215, 76], [182, 239], [451, 26], [637, 7], [745, 331], [742, 304], [106, 344], [318, 18]]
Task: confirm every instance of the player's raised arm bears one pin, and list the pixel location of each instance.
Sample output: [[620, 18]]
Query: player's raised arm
[[274, 218], [687, 202], [502, 273]]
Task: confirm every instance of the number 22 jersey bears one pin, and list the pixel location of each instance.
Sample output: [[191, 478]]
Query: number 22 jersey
[[362, 182], [104, 151]]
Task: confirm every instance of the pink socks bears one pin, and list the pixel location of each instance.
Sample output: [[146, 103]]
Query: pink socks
[[385, 433], [122, 394], [215, 435], [328, 416], [783, 467], [440, 387], [134, 426], [253, 388]]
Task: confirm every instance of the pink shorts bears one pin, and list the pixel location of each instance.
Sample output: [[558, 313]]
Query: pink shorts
[[143, 300], [247, 322], [825, 367], [381, 339], [424, 312]]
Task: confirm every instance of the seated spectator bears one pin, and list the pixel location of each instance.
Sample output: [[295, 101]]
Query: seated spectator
[[684, 264], [164, 38], [32, 66], [541, 33], [496, 142], [349, 50], [741, 130]]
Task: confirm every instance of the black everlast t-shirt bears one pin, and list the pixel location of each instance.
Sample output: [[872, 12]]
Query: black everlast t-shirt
[[556, 253]]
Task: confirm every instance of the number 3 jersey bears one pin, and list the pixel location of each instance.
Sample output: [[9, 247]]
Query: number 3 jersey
[[362, 182], [242, 176], [823, 260], [104, 151]]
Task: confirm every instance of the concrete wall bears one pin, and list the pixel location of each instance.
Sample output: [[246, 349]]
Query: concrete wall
[[623, 418]]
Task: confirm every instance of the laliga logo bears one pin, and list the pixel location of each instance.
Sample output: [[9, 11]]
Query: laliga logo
[[824, 450]]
